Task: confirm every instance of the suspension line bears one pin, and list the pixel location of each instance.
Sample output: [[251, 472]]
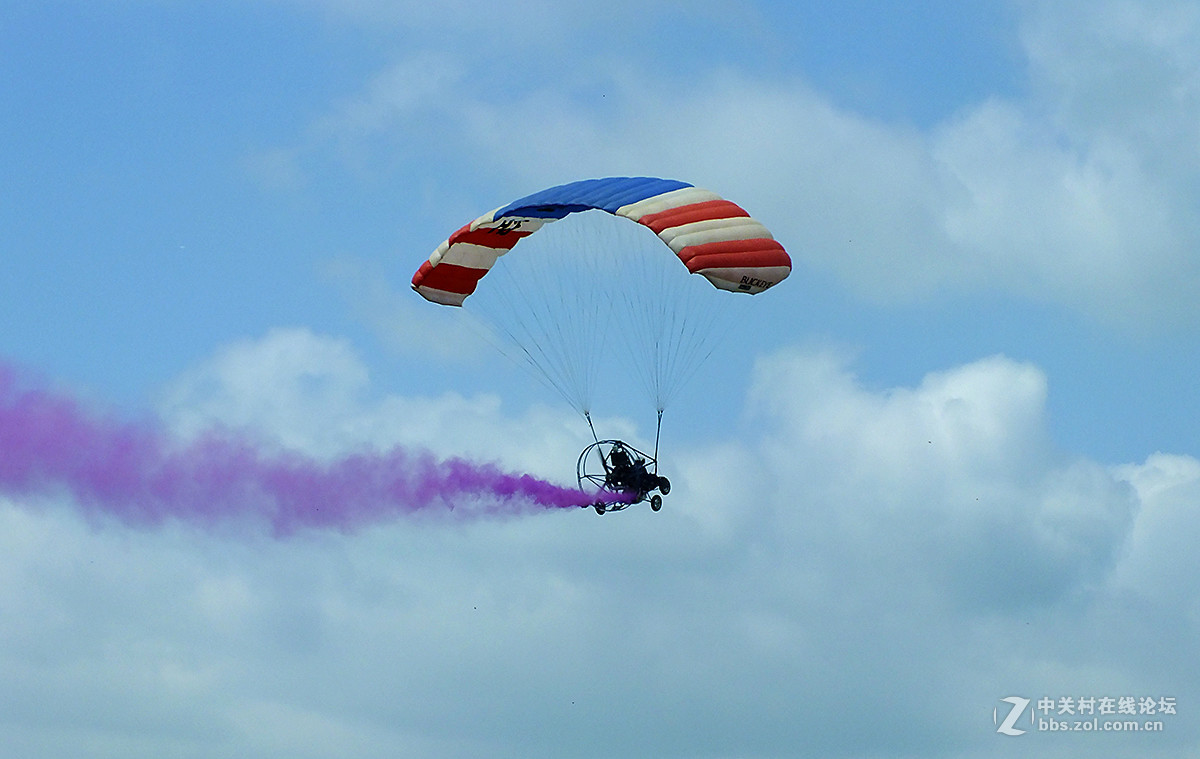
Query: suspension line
[[657, 433]]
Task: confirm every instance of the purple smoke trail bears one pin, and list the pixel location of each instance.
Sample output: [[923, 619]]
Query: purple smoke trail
[[138, 474]]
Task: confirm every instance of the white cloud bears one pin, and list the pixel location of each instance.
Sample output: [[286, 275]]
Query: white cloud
[[958, 468], [1121, 71], [310, 393], [1082, 193], [829, 569], [394, 93], [1160, 562], [267, 384]]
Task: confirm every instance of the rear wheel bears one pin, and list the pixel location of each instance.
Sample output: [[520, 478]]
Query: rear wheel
[[664, 485]]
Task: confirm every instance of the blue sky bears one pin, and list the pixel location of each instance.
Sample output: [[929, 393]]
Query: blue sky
[[961, 464]]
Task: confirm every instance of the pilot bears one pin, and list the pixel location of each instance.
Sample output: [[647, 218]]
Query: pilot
[[625, 473]]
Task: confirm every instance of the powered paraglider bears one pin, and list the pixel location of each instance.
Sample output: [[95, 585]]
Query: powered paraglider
[[561, 308], [620, 475]]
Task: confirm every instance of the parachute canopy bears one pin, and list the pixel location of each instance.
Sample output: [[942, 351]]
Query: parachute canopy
[[595, 300], [712, 236]]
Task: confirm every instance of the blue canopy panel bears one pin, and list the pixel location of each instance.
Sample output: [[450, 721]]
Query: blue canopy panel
[[606, 194]]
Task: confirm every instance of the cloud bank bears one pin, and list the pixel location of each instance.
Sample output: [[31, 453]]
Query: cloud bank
[[855, 573]]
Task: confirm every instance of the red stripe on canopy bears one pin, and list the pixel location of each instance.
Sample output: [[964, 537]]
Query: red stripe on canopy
[[449, 277], [704, 211], [731, 254], [488, 237]]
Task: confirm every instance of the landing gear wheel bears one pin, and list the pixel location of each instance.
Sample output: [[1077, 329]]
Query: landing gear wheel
[[656, 501], [599, 507], [664, 485]]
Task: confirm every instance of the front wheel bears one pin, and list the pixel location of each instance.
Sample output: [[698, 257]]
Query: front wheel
[[656, 502]]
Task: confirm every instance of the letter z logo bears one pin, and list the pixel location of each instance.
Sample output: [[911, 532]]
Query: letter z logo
[[1008, 725]]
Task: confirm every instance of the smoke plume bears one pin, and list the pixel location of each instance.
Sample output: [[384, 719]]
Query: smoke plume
[[140, 474]]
